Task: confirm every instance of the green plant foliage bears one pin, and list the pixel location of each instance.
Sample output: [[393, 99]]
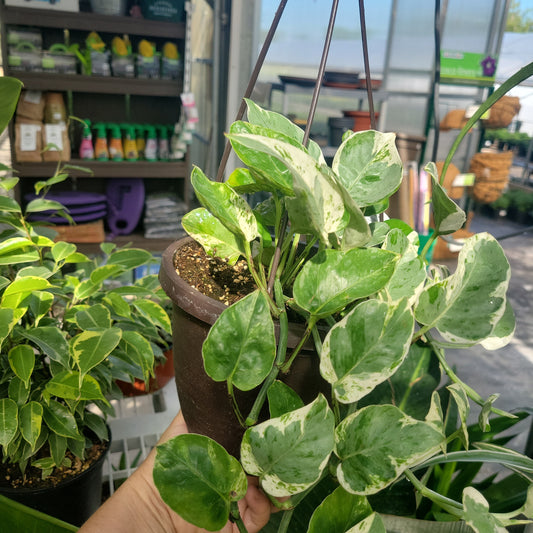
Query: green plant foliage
[[395, 416]]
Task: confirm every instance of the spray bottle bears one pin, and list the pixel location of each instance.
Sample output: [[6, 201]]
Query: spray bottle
[[86, 145], [150, 151], [115, 142], [128, 142], [140, 140], [162, 150], [101, 152]]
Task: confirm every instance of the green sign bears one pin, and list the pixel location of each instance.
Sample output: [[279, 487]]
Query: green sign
[[467, 65]]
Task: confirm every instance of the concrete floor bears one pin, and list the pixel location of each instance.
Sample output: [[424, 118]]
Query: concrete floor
[[508, 371]]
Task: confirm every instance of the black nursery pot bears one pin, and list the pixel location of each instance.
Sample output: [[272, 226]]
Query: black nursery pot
[[205, 404], [73, 500]]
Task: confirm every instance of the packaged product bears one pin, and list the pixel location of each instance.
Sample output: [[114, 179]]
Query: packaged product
[[31, 105], [28, 142], [55, 136]]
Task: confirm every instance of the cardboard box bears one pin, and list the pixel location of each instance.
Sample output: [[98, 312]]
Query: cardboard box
[[92, 232], [57, 5]]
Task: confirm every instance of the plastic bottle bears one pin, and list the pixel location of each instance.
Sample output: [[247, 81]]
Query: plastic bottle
[[150, 151], [101, 151], [128, 142], [175, 142], [116, 153], [86, 145], [162, 150], [140, 140]]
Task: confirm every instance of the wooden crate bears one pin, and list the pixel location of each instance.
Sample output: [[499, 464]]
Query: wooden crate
[[92, 232]]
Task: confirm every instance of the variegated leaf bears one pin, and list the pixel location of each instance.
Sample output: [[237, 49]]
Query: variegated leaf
[[366, 347], [371, 524], [289, 453], [477, 514]]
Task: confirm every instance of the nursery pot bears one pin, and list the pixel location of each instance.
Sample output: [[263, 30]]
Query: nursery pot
[[361, 119], [72, 500], [205, 404]]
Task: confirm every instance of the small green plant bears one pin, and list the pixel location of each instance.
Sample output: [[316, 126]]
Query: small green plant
[[66, 332], [381, 320]]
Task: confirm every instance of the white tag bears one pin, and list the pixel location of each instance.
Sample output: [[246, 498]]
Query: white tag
[[464, 180], [28, 137], [53, 134], [33, 97]]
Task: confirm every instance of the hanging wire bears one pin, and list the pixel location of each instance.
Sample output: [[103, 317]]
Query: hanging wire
[[436, 82], [251, 83], [367, 65], [321, 70]]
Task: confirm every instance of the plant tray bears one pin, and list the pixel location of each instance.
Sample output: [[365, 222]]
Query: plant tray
[[92, 232]]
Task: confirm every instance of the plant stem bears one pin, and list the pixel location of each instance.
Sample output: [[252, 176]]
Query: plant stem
[[285, 521], [236, 409], [236, 517], [260, 281], [449, 505], [280, 356], [471, 393], [287, 365], [427, 246]]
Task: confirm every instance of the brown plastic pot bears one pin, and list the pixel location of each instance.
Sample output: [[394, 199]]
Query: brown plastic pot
[[361, 119], [205, 404]]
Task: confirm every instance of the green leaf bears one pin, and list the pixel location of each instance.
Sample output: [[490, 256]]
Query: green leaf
[[71, 385], [42, 204], [463, 408], [371, 524], [280, 123], [198, 479], [155, 313], [215, 238], [30, 422], [9, 94], [20, 256], [317, 206], [503, 332], [290, 453], [22, 360], [365, 348], [61, 250], [51, 341], [226, 205], [367, 163], [138, 351], [104, 272], [40, 303], [90, 348], [467, 306], [242, 181], [58, 447], [60, 420], [18, 391], [85, 289], [241, 345], [96, 424], [8, 420], [9, 205], [282, 399], [339, 511], [377, 443], [477, 514], [332, 279], [20, 288], [94, 317], [447, 215], [14, 243], [118, 304]]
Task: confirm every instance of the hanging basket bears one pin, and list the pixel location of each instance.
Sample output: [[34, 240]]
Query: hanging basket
[[492, 175], [502, 112]]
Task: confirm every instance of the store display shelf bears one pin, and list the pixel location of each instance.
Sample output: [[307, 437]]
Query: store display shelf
[[93, 21], [40, 81], [135, 240], [107, 169]]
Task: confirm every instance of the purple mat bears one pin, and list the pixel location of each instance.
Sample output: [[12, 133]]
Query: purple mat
[[77, 218], [126, 203], [69, 198], [79, 210]]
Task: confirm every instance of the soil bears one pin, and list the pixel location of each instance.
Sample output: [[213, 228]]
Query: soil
[[10, 474], [212, 276]]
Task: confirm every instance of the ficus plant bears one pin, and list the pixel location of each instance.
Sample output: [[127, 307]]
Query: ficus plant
[[69, 328], [381, 319]]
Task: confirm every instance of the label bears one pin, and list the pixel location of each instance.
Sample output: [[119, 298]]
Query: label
[[464, 180], [150, 150], [28, 137], [33, 97], [53, 134]]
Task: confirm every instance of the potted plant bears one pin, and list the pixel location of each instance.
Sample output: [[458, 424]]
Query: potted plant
[[68, 331], [383, 438]]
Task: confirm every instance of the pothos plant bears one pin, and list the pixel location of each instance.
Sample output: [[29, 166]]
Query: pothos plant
[[68, 330], [381, 319]]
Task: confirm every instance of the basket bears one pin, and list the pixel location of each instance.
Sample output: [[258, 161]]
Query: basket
[[502, 112], [492, 175]]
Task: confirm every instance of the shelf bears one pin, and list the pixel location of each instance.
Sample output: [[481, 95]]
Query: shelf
[[136, 240], [40, 81], [92, 21], [108, 169]]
